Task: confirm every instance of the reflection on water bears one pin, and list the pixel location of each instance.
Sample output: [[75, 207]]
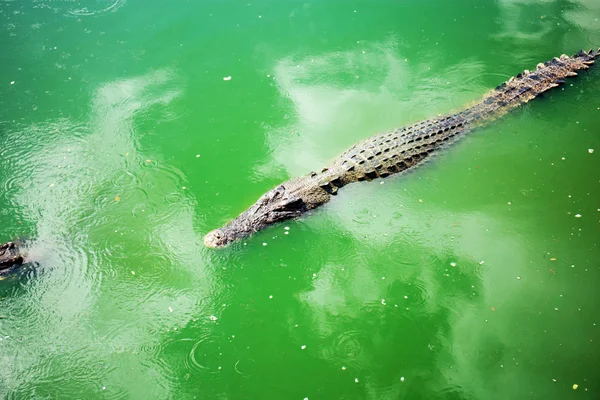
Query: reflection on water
[[96, 201], [523, 20], [470, 278], [409, 263], [334, 98]]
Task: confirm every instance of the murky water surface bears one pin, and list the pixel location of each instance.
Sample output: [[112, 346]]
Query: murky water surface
[[130, 129]]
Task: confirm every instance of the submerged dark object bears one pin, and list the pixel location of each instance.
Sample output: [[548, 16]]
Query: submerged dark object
[[396, 151], [11, 256]]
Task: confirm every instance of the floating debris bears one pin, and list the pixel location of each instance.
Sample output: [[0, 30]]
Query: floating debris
[[227, 78], [383, 302], [590, 151], [170, 309], [401, 379], [575, 386], [264, 243], [356, 380], [303, 347], [343, 368], [577, 215], [197, 155], [453, 264], [271, 296], [132, 272], [212, 318]]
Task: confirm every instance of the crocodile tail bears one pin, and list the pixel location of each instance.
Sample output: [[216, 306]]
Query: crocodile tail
[[529, 84]]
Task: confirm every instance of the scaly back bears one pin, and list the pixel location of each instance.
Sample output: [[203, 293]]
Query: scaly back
[[396, 151]]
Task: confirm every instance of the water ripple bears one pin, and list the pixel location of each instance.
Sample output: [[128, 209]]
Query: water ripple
[[348, 349], [206, 354], [97, 7]]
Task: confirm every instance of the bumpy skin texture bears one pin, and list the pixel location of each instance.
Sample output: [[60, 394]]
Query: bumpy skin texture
[[389, 153], [10, 256]]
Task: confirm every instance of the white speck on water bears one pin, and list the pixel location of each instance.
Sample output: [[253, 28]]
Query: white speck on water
[[453, 264], [406, 297], [509, 203], [518, 277], [383, 278], [303, 347], [271, 296], [577, 215], [590, 151], [383, 302], [103, 387], [343, 368], [356, 380], [260, 16], [563, 158], [481, 262], [212, 318], [132, 272], [401, 379], [170, 309], [314, 275], [227, 78], [197, 155], [287, 228], [264, 243], [286, 233], [555, 309], [306, 398], [12, 82], [382, 182]]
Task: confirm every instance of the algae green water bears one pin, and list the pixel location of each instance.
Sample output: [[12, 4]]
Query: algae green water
[[130, 129]]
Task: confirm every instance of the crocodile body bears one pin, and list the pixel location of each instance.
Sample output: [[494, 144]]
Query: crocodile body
[[392, 152]]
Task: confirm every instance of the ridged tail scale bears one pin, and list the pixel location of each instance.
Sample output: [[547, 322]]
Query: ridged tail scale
[[396, 151]]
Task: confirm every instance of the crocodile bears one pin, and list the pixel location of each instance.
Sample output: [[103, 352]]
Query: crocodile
[[12, 256], [392, 152]]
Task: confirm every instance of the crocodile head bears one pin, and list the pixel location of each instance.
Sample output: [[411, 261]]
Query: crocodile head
[[10, 256], [288, 200]]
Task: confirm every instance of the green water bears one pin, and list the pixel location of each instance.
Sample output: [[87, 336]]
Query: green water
[[121, 145]]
